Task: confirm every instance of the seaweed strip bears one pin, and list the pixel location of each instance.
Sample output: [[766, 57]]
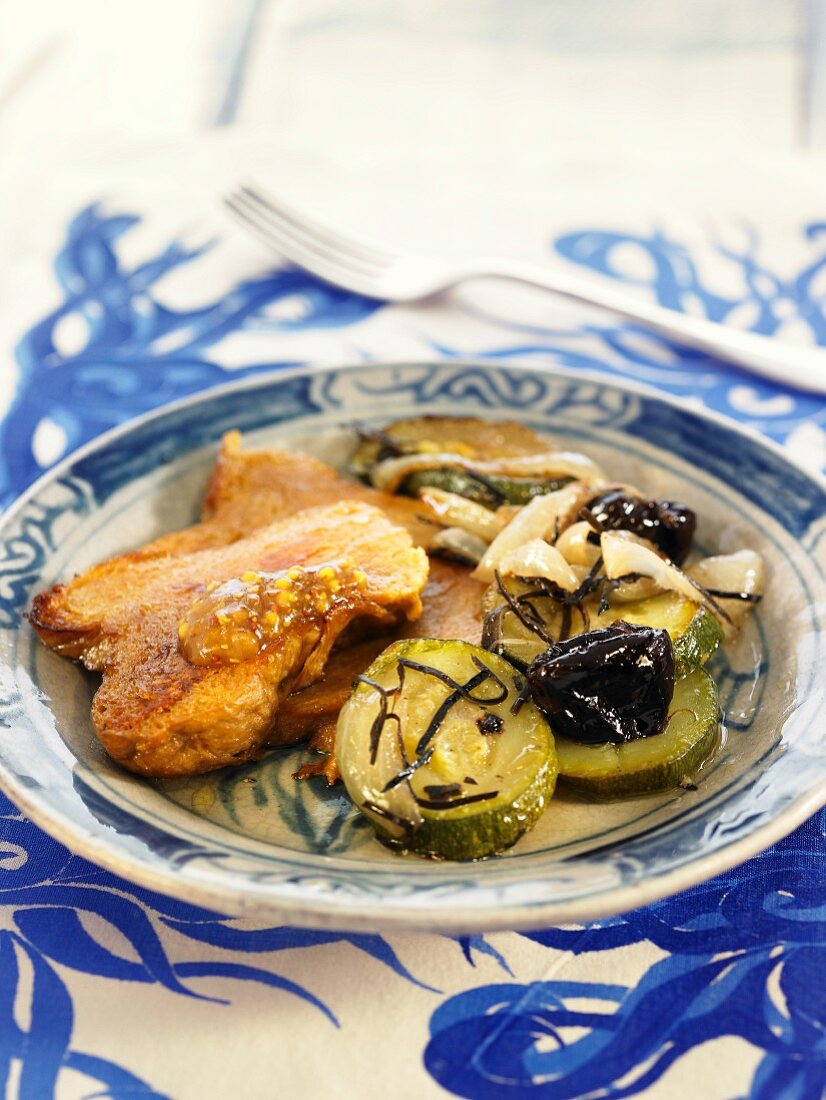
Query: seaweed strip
[[521, 698], [565, 627], [589, 517], [449, 804], [424, 752], [498, 495], [382, 716], [536, 626], [746, 597], [464, 690], [407, 827], [443, 790]]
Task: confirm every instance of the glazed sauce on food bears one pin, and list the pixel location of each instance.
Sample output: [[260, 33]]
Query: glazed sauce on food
[[236, 619]]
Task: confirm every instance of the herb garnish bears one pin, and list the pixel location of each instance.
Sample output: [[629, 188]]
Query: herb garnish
[[449, 803]]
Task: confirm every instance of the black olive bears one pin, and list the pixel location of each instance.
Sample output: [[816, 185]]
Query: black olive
[[613, 684], [666, 523]]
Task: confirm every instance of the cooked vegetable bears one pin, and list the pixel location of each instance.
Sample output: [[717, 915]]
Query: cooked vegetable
[[466, 435], [669, 525], [624, 553], [538, 558], [608, 685], [490, 491], [457, 511], [433, 749], [520, 621], [735, 581], [654, 763], [695, 633], [602, 627], [579, 544], [392, 472], [457, 544], [464, 483], [535, 521], [521, 490]]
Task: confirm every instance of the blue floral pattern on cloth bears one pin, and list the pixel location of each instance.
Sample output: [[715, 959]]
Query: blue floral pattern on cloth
[[743, 955], [746, 957]]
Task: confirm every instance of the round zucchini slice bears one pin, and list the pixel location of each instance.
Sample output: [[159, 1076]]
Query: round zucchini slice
[[650, 763], [431, 752], [695, 633]]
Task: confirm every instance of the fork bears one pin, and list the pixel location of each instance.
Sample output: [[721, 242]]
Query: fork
[[377, 272]]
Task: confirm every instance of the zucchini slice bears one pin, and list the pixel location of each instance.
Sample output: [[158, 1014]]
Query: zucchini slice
[[466, 435], [430, 752], [695, 633], [650, 763]]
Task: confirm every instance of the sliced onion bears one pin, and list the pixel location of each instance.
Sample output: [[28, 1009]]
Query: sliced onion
[[389, 475], [539, 559], [574, 544], [453, 510], [630, 591], [458, 544], [549, 465], [536, 520], [397, 810], [742, 574], [623, 553]]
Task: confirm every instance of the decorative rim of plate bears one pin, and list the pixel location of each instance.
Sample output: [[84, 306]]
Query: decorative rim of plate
[[238, 897]]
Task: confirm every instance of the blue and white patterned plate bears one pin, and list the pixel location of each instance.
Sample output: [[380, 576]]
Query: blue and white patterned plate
[[250, 840]]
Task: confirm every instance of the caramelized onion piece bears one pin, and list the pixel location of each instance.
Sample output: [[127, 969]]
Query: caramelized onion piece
[[535, 521], [579, 544], [538, 558], [453, 510], [624, 553], [389, 475], [736, 581]]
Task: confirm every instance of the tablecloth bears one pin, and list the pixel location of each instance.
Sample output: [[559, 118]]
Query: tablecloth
[[121, 298]]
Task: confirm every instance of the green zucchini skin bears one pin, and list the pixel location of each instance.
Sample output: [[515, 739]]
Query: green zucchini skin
[[652, 763], [452, 481], [701, 638], [485, 834], [522, 490], [491, 492]]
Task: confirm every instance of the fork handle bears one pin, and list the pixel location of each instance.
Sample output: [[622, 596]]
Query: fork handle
[[802, 367]]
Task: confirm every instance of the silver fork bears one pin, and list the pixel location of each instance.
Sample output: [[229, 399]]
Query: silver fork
[[377, 272]]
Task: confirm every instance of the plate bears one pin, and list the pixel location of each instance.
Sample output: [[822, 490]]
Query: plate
[[250, 841]]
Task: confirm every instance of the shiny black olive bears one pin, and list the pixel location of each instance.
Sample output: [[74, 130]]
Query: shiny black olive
[[669, 525], [613, 684]]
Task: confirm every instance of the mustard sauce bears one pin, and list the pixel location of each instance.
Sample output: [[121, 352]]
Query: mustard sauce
[[235, 620]]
